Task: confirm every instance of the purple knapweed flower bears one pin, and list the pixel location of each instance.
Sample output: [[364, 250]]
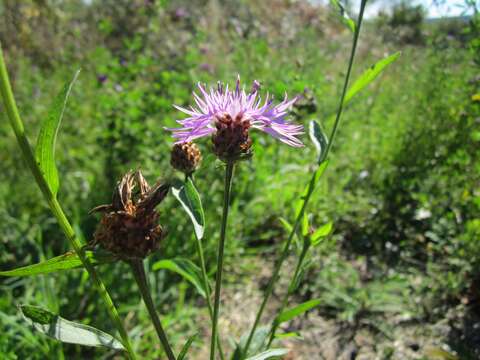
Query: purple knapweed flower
[[228, 115]]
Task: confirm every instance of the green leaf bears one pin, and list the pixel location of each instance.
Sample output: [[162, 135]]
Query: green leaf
[[67, 331], [368, 76], [289, 335], [184, 268], [66, 261], [188, 196], [45, 149], [288, 227], [185, 347], [269, 354], [319, 139], [343, 15], [321, 232], [296, 311], [305, 224], [259, 340]]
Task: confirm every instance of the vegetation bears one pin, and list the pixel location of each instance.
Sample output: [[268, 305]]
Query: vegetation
[[398, 206]]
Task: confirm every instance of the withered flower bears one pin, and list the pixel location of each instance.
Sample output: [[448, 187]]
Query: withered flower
[[129, 226], [185, 157]]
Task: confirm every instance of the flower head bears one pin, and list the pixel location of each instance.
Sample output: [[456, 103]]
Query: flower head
[[220, 109], [185, 157], [129, 227]]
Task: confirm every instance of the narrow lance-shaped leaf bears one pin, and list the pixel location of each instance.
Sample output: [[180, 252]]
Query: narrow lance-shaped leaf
[[343, 15], [186, 347], [184, 268], [305, 224], [188, 196], [321, 232], [258, 343], [66, 261], [296, 311], [272, 353], [319, 139], [45, 149], [368, 76], [67, 331]]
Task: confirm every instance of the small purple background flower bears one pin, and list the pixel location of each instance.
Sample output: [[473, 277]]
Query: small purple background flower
[[217, 102]]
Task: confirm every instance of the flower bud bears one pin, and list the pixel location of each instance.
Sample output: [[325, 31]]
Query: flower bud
[[185, 157], [129, 226], [231, 141]]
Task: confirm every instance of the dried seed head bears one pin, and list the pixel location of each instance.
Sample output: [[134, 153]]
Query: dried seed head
[[231, 141], [129, 227], [186, 157]]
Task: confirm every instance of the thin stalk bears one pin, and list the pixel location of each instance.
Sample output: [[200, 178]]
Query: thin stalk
[[347, 77], [56, 209], [221, 248], [311, 186], [206, 283], [141, 279], [289, 292]]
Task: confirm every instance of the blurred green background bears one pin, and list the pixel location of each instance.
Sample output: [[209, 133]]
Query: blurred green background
[[398, 278]]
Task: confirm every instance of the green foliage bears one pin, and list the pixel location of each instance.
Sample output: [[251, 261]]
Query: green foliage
[[296, 311], [66, 261], [186, 269], [45, 149], [67, 331]]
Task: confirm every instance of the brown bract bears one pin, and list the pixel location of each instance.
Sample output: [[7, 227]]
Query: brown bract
[[185, 157], [129, 226], [231, 141]]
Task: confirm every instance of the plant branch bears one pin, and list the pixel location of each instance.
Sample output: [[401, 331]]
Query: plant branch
[[19, 130]]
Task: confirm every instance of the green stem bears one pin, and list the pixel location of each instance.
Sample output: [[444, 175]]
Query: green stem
[[290, 290], [206, 283], [347, 77], [310, 189], [141, 279], [221, 248], [56, 209]]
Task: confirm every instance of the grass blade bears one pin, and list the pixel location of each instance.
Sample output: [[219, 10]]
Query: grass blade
[[184, 268], [185, 347], [296, 311]]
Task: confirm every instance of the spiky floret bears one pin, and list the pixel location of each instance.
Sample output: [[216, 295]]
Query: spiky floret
[[246, 110]]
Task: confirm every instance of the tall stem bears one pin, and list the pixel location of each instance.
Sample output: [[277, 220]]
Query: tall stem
[[141, 279], [56, 209], [206, 283], [289, 292], [221, 248], [311, 186]]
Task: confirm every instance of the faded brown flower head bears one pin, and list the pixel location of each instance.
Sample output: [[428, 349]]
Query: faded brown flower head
[[185, 157], [129, 227], [231, 141]]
